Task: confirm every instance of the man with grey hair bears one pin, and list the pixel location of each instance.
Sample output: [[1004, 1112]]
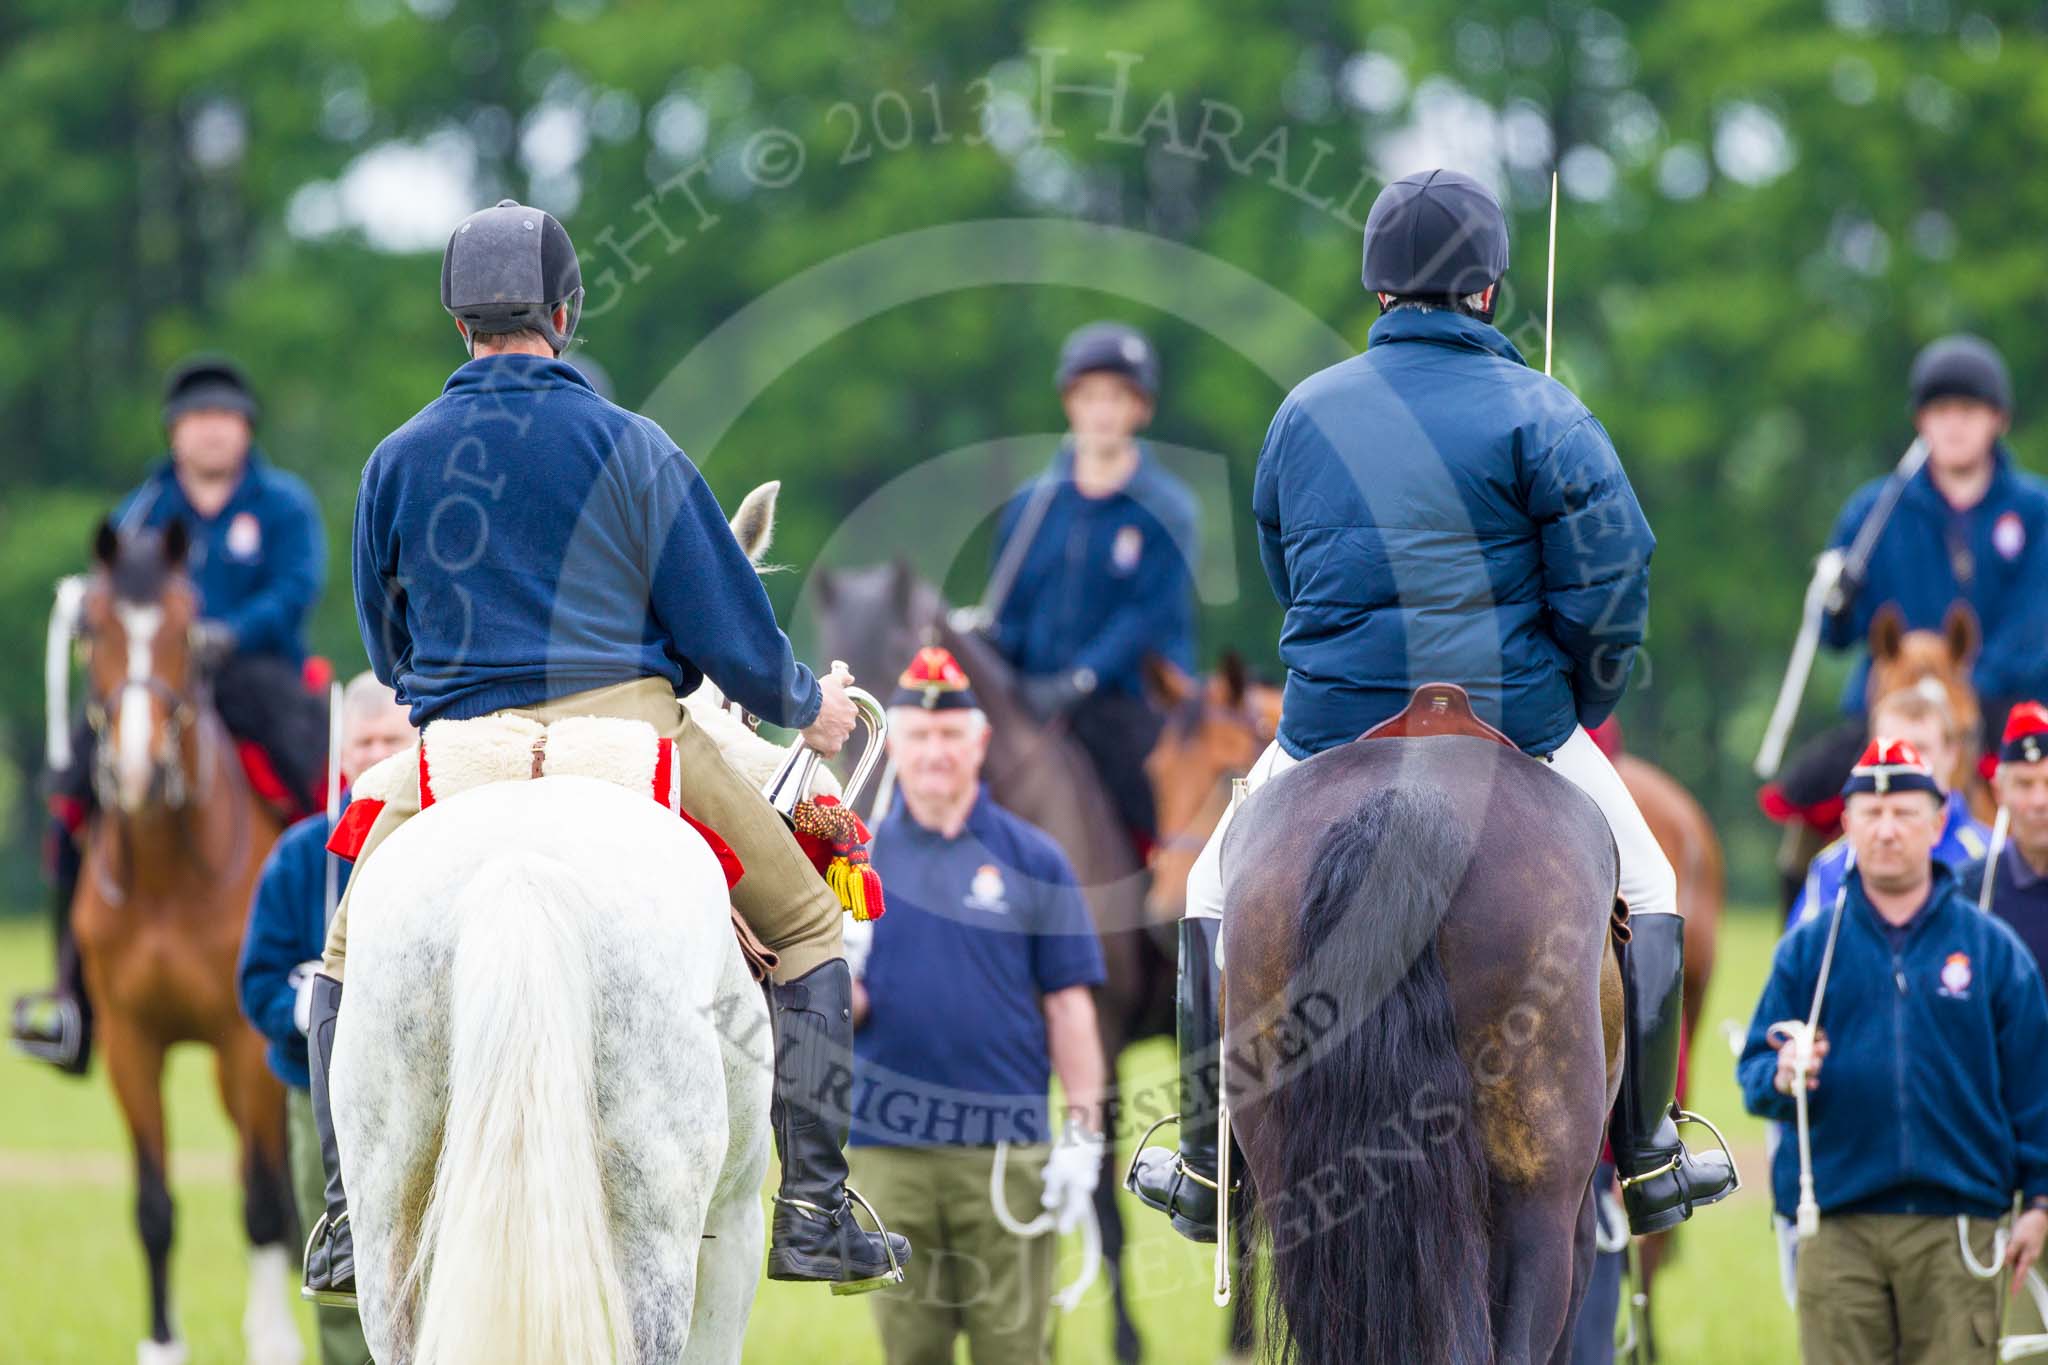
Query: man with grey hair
[[281, 952], [976, 991]]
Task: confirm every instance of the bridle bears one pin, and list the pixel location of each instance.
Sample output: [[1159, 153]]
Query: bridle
[[181, 715]]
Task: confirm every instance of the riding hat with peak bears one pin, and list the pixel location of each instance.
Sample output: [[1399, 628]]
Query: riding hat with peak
[[934, 681], [2026, 734], [1109, 348], [506, 269], [1891, 765], [207, 383]]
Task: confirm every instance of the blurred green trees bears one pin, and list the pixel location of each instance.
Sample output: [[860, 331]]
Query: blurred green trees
[[1768, 207]]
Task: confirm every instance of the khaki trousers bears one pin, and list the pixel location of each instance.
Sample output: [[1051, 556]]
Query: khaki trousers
[[1882, 1287], [968, 1275], [341, 1332], [781, 896]]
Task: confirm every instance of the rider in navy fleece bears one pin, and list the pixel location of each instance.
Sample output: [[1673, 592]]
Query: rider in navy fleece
[[536, 501]]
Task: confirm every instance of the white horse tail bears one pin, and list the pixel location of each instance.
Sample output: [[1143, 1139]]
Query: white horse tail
[[515, 1252]]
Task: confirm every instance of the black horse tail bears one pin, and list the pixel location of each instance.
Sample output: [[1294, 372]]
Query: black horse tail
[[1380, 1223]]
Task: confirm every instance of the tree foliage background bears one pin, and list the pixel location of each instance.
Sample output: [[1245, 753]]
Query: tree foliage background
[[1769, 206]]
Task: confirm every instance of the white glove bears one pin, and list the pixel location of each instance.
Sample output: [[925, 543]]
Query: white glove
[[300, 978], [1071, 1174], [859, 938]]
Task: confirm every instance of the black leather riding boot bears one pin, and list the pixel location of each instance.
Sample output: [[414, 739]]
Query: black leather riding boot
[[330, 1247], [55, 1026], [1182, 1184], [1661, 1182], [814, 1235]]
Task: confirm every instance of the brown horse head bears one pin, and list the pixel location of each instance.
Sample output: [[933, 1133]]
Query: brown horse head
[[137, 617], [1901, 658], [1215, 729]]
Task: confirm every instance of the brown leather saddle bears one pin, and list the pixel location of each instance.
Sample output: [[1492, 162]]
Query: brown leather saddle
[[1437, 708], [1441, 708]]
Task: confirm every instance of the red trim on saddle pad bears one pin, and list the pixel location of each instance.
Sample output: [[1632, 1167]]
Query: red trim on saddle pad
[[354, 827], [426, 783], [728, 861], [262, 775]]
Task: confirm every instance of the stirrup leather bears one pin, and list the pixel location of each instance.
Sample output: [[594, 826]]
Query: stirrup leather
[[892, 1276], [1683, 1116]]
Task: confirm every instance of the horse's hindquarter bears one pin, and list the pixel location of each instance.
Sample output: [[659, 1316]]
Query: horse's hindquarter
[[679, 1033], [1523, 945]]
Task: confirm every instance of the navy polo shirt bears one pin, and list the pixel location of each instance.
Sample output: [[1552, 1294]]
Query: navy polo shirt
[[2019, 897], [980, 928]]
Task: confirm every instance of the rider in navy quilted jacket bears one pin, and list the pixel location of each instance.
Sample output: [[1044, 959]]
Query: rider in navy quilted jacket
[[1435, 510]]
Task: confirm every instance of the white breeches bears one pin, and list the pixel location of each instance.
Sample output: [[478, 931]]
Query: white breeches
[[1647, 881]]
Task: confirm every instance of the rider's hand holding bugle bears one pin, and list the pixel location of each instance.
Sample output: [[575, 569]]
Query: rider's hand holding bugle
[[836, 715]]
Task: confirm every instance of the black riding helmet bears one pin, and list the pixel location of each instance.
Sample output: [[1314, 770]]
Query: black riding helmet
[[507, 268], [207, 383], [1435, 235], [1961, 366]]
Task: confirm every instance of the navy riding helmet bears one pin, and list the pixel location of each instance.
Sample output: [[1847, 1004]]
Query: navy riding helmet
[[1435, 235], [507, 268], [1110, 347], [1961, 366]]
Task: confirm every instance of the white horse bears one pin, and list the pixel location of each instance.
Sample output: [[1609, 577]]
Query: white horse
[[551, 1078]]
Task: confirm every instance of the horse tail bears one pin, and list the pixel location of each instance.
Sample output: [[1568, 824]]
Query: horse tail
[[515, 1252], [1383, 1252]]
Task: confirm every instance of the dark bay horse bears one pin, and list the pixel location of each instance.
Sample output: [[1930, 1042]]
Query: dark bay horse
[[875, 618], [1422, 1043], [170, 863]]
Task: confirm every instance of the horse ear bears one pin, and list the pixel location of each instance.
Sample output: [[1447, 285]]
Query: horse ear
[[753, 525], [1960, 629], [1887, 633], [176, 544], [1230, 668], [106, 543], [1165, 685]]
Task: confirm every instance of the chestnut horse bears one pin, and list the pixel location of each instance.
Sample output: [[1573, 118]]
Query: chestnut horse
[[1899, 659], [171, 859]]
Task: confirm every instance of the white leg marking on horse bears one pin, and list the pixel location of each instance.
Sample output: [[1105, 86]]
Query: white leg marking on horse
[[269, 1335]]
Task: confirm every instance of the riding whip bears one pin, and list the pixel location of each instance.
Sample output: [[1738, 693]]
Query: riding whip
[[1550, 279], [1827, 594], [1240, 788]]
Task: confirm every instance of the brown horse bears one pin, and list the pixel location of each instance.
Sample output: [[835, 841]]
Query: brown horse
[[1215, 730], [1901, 658], [1421, 1046], [875, 618], [170, 862]]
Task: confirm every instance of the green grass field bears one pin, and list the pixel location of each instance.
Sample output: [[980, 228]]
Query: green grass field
[[72, 1279]]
